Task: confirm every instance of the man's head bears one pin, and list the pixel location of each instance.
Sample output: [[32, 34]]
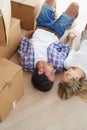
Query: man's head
[[44, 76], [41, 82]]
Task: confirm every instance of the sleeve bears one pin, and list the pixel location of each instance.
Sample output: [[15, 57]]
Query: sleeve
[[26, 54], [57, 53], [63, 51], [23, 45]]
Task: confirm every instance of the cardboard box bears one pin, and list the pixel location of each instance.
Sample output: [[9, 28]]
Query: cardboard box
[[26, 11], [2, 31], [5, 18], [11, 86], [13, 39]]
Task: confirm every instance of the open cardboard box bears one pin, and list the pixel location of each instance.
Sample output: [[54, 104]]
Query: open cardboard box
[[5, 18], [13, 39]]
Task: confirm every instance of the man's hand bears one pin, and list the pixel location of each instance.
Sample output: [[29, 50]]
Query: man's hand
[[71, 36], [29, 33]]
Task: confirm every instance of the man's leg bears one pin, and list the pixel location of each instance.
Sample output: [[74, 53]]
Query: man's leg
[[65, 20], [47, 14], [85, 27], [53, 4], [84, 33], [73, 10]]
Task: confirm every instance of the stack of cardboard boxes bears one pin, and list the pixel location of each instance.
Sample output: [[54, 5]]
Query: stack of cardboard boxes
[[11, 74], [13, 13], [26, 11], [10, 32], [14, 38], [5, 18]]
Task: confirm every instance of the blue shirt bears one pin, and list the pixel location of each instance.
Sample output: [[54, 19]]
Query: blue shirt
[[56, 54]]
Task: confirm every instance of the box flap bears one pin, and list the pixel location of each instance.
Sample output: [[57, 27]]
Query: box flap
[[8, 70], [31, 3], [2, 30], [5, 18]]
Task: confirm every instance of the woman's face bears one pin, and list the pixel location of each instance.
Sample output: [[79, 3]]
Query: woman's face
[[71, 73]]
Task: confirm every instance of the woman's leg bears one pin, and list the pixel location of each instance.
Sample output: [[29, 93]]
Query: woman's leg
[[73, 10]]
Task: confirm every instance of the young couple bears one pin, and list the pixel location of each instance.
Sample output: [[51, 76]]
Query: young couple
[[41, 52]]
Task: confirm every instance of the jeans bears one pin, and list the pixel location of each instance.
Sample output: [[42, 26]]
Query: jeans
[[46, 19]]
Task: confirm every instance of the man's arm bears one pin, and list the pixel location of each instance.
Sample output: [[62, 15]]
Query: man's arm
[[29, 33], [54, 5], [66, 47], [63, 51]]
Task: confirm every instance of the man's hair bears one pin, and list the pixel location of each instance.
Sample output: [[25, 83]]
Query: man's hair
[[73, 87], [41, 82]]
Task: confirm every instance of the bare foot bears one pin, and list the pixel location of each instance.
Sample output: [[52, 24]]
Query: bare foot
[[70, 37]]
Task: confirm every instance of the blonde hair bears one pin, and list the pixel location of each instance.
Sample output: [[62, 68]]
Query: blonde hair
[[73, 87]]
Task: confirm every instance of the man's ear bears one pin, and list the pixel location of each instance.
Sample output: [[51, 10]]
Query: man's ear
[[40, 71]]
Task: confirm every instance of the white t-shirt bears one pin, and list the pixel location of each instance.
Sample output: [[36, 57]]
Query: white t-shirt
[[78, 58], [41, 39]]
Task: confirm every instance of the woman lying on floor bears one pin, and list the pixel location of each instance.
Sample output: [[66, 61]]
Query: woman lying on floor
[[74, 80]]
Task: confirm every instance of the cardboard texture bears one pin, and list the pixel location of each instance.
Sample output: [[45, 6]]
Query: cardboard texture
[[5, 18], [13, 39], [11, 86], [2, 31], [26, 11]]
